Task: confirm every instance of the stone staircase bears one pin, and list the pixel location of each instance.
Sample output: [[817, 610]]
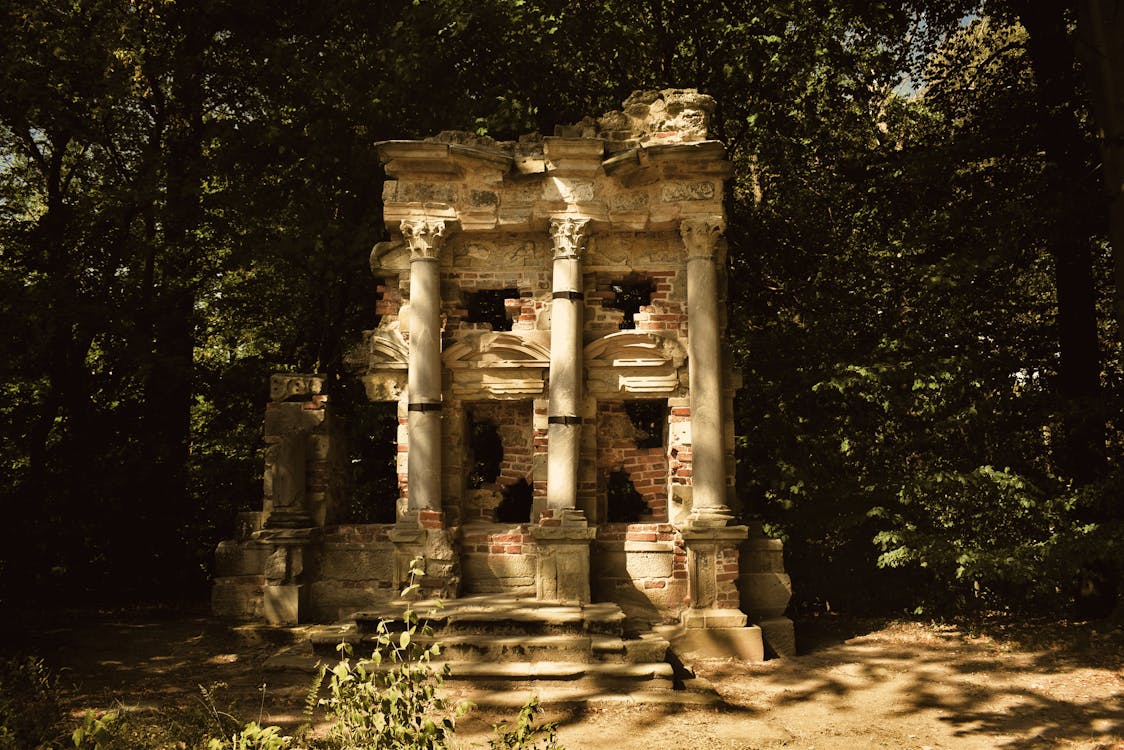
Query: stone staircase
[[503, 648]]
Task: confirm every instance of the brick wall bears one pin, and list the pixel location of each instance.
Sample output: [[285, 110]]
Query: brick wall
[[498, 558], [617, 450], [513, 422], [524, 310], [666, 311]]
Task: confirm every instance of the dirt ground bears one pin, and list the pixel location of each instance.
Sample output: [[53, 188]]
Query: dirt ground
[[856, 684]]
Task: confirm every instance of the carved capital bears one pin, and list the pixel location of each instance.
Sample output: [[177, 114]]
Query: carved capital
[[569, 235], [424, 236], [700, 235]]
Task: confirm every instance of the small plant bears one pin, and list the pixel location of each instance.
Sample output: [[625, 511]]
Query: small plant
[[30, 712], [524, 734], [394, 700], [96, 732], [254, 737]]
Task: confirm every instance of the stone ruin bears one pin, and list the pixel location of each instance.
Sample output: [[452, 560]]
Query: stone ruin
[[550, 333]]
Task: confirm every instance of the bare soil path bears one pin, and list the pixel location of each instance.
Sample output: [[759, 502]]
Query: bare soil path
[[857, 684]]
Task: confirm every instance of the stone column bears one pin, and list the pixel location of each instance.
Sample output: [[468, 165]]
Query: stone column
[[705, 366], [715, 622], [563, 533], [566, 367], [425, 238], [420, 531]]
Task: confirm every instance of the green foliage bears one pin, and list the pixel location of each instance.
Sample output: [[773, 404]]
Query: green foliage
[[525, 733], [393, 700], [97, 732], [253, 737], [30, 712]]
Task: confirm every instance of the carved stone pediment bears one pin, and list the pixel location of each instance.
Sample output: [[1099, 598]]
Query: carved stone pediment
[[388, 350], [501, 365], [500, 349], [633, 349], [629, 362]]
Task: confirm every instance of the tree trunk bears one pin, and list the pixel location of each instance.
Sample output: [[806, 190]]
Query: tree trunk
[[1100, 29], [1079, 452]]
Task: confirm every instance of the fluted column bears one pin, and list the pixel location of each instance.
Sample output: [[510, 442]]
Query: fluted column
[[425, 238], [566, 318], [704, 351]]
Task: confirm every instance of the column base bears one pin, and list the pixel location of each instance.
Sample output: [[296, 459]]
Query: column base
[[780, 635], [743, 643], [421, 535], [765, 591], [285, 596], [282, 604], [562, 571]]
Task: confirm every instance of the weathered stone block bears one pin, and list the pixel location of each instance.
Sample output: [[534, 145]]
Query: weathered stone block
[[743, 643], [281, 604], [240, 559], [238, 598], [331, 601], [780, 636], [764, 595], [357, 562]]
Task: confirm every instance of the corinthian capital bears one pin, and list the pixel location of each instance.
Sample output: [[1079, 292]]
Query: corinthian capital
[[700, 235], [569, 235], [424, 236]]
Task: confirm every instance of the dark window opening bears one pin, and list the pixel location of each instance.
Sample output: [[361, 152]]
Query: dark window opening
[[487, 453], [648, 417], [488, 306], [625, 504], [633, 292], [373, 462], [516, 504]]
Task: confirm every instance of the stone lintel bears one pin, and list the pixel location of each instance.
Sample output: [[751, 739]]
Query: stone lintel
[[395, 213], [645, 164], [714, 534], [662, 547], [287, 537], [573, 155], [713, 617], [402, 157], [562, 534]]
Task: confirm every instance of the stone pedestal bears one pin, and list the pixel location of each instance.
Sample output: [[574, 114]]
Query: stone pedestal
[[765, 592], [285, 595], [715, 626], [422, 536], [712, 569], [562, 572]]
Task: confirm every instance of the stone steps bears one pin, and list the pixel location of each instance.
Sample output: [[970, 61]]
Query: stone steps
[[501, 645], [498, 615]]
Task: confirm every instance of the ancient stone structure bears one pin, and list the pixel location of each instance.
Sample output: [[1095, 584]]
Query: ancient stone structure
[[551, 334]]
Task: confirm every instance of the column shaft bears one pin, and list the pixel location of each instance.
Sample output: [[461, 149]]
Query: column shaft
[[424, 378], [566, 366], [704, 352]]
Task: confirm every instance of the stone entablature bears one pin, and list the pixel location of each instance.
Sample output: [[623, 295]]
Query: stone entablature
[[550, 329]]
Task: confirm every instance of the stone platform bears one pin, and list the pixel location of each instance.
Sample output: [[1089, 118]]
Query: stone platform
[[504, 648]]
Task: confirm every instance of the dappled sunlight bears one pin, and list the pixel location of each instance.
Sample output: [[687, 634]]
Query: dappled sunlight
[[898, 684]]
